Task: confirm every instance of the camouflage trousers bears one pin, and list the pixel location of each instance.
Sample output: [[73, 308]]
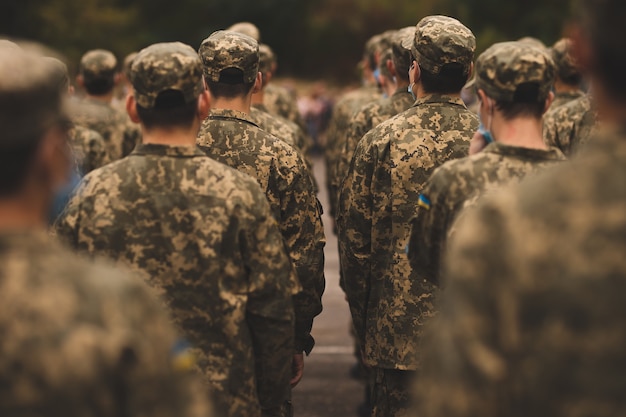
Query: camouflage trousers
[[391, 392], [286, 410]]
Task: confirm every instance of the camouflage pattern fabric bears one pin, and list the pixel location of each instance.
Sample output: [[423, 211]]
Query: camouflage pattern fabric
[[280, 127], [247, 28], [364, 120], [388, 302], [390, 393], [232, 138], [569, 127], [560, 99], [337, 133], [223, 50], [88, 149], [565, 63], [119, 134], [202, 235], [83, 339], [439, 41], [459, 184], [97, 64], [535, 283], [279, 101]]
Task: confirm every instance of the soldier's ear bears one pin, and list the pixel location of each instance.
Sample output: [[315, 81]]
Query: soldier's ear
[[131, 108], [391, 67], [258, 83], [549, 101], [204, 105], [80, 81]]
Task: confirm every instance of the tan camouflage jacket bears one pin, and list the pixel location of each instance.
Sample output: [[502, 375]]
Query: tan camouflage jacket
[[82, 338], [279, 101], [569, 126], [119, 133], [389, 304], [535, 284], [232, 138], [458, 184], [337, 133], [88, 149], [364, 120], [564, 98], [203, 236]]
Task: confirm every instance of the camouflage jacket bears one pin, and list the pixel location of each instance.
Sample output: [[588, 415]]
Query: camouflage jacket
[[535, 283], [232, 138], [391, 164], [88, 149], [280, 127], [202, 235], [570, 126], [564, 98], [337, 132], [119, 133], [458, 184], [81, 338], [364, 120], [279, 101]]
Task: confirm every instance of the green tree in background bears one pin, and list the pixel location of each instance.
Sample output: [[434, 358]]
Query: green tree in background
[[313, 38]]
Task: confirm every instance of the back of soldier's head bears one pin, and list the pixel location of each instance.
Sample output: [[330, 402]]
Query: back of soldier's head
[[97, 70], [167, 81], [602, 24], [401, 56], [231, 63], [32, 105], [567, 69]]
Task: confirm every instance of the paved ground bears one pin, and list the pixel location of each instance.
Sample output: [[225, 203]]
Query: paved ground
[[326, 389]]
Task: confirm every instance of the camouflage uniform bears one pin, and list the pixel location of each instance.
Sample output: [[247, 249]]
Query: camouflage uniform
[[231, 137], [570, 126], [388, 302], [119, 134], [281, 128], [280, 101], [535, 283], [88, 149], [78, 339], [566, 69], [203, 236]]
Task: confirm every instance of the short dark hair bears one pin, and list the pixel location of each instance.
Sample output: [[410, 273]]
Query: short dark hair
[[526, 103], [603, 21], [573, 79], [450, 79], [99, 86], [170, 110], [15, 164], [402, 61], [230, 85]]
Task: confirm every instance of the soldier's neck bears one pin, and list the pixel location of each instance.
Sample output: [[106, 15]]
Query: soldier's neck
[[523, 132], [241, 104], [107, 98], [257, 98], [420, 93], [23, 213], [170, 137], [561, 87]]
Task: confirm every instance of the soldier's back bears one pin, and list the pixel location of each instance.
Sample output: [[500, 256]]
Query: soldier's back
[[570, 126], [88, 149]]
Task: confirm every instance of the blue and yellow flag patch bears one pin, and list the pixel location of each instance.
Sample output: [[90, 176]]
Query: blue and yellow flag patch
[[423, 202], [182, 358]]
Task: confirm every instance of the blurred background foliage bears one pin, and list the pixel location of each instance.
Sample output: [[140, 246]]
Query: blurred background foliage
[[313, 38]]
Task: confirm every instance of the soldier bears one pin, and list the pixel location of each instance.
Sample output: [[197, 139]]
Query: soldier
[[392, 162], [275, 125], [228, 135], [371, 115], [342, 115], [97, 76], [533, 315], [88, 147], [200, 233], [568, 76], [570, 126], [246, 28], [78, 339], [511, 111]]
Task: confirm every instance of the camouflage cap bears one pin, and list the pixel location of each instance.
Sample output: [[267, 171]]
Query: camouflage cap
[[97, 64], [7, 44], [247, 28], [529, 40], [401, 56], [30, 98], [565, 64], [502, 68], [164, 67], [128, 61], [224, 50], [266, 58], [441, 40]]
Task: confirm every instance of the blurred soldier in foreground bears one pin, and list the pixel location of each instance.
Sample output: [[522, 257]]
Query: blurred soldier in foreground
[[513, 83], [200, 233], [568, 76], [228, 135], [78, 339], [392, 162], [533, 317], [97, 74]]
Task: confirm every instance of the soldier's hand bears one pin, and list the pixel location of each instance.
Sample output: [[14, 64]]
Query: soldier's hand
[[477, 144], [297, 369]]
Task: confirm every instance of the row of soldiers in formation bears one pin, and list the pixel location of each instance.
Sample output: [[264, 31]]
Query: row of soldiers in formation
[[522, 293]]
